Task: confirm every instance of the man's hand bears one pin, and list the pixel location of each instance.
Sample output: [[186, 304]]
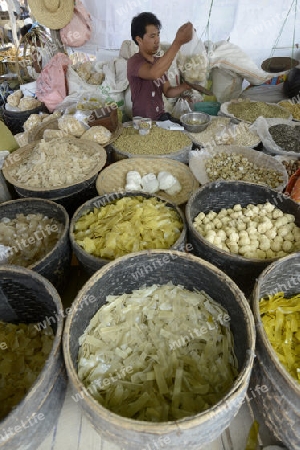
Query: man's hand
[[184, 34]]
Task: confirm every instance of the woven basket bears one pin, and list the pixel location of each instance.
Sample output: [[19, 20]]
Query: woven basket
[[225, 194], [55, 265], [74, 193], [198, 161], [192, 273], [113, 178], [92, 263], [280, 403], [14, 120], [278, 64], [181, 155], [29, 298]]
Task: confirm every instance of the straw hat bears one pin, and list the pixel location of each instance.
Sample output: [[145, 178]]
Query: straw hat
[[54, 14]]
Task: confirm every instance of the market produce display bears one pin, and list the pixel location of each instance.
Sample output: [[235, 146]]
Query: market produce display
[[56, 163], [129, 224], [281, 320], [291, 165], [158, 353], [238, 167], [21, 360], [292, 107], [157, 142], [287, 137], [221, 131], [259, 231], [249, 110], [26, 239], [21, 103]]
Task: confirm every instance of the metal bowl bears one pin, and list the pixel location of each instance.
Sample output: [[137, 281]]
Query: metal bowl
[[195, 122]]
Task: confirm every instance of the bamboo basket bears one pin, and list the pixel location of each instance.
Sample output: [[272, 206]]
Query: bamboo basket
[[92, 263], [55, 265], [192, 273], [280, 403], [29, 298], [225, 194], [70, 196], [113, 178]]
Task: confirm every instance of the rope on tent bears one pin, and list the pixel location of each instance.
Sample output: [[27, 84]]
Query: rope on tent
[[294, 2], [206, 29]]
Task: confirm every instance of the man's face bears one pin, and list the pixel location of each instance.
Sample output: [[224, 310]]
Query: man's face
[[150, 41]]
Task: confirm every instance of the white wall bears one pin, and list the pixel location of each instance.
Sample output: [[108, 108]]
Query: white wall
[[253, 25]]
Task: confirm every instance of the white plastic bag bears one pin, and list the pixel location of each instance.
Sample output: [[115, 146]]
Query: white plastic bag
[[181, 107], [262, 125], [192, 61]]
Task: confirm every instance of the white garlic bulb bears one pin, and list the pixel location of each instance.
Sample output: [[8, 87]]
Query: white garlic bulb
[[150, 183], [133, 181], [168, 183]]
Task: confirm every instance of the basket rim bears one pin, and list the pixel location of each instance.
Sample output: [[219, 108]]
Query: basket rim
[[260, 330], [16, 159], [119, 169], [185, 423]]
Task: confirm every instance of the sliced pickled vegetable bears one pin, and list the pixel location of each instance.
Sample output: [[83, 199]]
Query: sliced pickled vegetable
[[281, 319], [127, 225], [159, 353], [23, 353]]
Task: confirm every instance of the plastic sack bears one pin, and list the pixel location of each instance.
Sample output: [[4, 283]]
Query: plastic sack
[[51, 84], [198, 159], [230, 57], [78, 31], [192, 61], [181, 107], [265, 93], [226, 85], [128, 49], [262, 125]]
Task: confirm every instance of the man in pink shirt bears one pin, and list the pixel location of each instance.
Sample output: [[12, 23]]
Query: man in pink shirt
[[147, 74]]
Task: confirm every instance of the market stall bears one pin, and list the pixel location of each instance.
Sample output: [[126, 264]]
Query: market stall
[[155, 243]]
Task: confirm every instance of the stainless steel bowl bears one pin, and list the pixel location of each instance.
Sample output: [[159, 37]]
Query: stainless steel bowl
[[195, 122]]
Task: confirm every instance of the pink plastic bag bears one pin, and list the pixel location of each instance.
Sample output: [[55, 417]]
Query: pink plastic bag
[[51, 85], [78, 31]]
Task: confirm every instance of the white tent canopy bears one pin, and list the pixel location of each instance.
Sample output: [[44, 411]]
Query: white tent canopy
[[256, 26]]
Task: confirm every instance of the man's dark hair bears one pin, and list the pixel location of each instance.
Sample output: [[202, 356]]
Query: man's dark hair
[[139, 23]]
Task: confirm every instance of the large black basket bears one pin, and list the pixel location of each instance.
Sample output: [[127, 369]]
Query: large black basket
[[225, 194], [14, 120], [56, 264], [27, 297]]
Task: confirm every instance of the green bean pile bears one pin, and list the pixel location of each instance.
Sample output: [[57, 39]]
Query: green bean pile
[[158, 142]]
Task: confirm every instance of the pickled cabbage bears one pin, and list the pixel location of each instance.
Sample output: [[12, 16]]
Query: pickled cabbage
[[23, 353], [281, 320], [129, 224], [159, 353]]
